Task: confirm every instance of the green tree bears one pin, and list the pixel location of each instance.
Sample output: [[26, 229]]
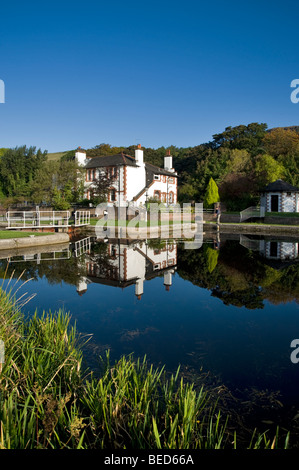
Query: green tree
[[267, 170], [18, 168], [212, 194], [248, 137], [281, 142], [58, 181]]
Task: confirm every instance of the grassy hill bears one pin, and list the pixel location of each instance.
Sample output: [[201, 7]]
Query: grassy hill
[[56, 155]]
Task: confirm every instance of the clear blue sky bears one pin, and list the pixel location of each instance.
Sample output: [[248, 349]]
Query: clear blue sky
[[156, 72]]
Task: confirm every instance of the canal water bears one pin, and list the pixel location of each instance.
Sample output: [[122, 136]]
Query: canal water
[[226, 312]]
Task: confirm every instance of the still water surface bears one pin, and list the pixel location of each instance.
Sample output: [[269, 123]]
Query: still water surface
[[228, 310]]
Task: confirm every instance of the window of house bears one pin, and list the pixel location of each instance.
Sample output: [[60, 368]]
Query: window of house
[[112, 195], [157, 177], [170, 197], [111, 172], [157, 195]]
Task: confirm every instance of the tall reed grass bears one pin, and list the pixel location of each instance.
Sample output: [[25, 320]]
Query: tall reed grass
[[48, 400]]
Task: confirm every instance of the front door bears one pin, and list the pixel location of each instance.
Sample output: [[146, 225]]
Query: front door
[[273, 249], [274, 203]]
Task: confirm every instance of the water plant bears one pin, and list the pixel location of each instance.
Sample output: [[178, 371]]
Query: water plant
[[48, 400]]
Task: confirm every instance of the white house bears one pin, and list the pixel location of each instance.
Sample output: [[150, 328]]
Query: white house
[[131, 265], [134, 181]]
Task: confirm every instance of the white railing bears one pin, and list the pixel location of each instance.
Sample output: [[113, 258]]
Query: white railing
[[38, 257], [37, 219], [250, 244], [82, 246], [82, 218], [43, 219], [251, 212]]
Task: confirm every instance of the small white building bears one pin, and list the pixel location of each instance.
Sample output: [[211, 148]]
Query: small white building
[[134, 181], [280, 196], [279, 250]]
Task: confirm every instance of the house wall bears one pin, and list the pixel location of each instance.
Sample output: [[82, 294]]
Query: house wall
[[135, 180], [285, 250], [162, 187], [286, 202], [161, 258], [131, 180]]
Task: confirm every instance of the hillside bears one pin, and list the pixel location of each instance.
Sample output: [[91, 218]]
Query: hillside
[[289, 128], [56, 156]]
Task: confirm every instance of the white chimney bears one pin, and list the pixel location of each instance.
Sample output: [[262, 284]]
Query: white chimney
[[168, 279], [168, 162], [139, 155], [80, 156], [139, 288]]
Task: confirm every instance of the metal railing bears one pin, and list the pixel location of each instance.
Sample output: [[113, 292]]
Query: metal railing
[[249, 243], [251, 212], [82, 246], [82, 218], [45, 219], [34, 219], [38, 257]]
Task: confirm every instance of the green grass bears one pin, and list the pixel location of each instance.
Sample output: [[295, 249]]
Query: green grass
[[260, 224], [142, 223], [49, 401], [282, 214], [6, 234], [55, 156]]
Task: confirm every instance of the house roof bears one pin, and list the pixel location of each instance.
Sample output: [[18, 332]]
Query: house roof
[[279, 186], [155, 170], [111, 160], [152, 170], [122, 159]]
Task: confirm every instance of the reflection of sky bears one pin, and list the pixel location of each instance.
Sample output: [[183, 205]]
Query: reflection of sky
[[183, 326]]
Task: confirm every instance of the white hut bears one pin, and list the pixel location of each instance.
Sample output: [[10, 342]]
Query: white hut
[[280, 196]]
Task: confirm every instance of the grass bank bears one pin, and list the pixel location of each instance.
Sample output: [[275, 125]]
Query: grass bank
[[142, 223], [7, 234], [48, 400]]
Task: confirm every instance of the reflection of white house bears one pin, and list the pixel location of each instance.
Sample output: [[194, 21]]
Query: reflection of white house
[[279, 250], [131, 264], [134, 180], [275, 250], [280, 196]]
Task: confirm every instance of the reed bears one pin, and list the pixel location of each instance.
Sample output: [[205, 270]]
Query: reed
[[49, 401]]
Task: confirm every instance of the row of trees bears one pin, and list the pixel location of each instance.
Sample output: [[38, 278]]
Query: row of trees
[[239, 161], [27, 175], [236, 164]]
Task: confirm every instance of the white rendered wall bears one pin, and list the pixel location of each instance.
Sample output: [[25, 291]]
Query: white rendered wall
[[163, 188], [135, 180], [80, 157]]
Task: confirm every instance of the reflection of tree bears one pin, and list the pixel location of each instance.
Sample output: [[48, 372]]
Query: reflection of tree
[[101, 261], [249, 298], [55, 271], [212, 259], [240, 277]]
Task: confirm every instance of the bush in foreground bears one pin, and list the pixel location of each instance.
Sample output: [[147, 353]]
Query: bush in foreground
[[49, 401]]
